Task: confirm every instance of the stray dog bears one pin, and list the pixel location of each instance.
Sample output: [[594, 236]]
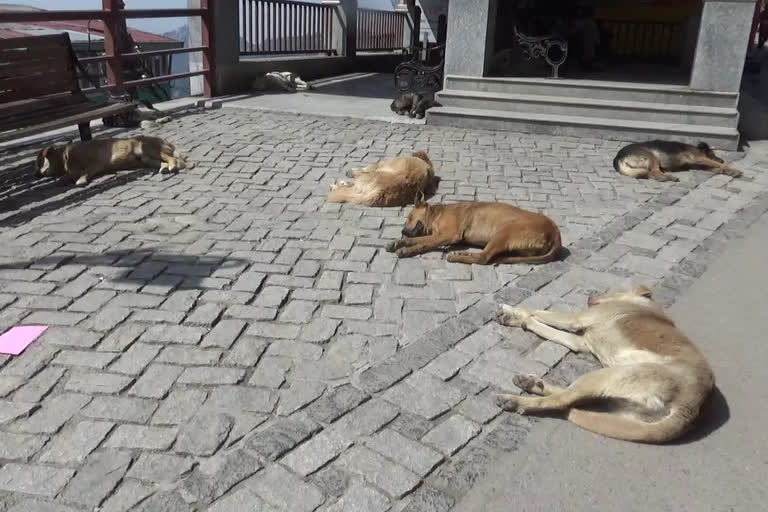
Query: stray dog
[[652, 160], [501, 228], [82, 161], [280, 81], [412, 104], [389, 183], [654, 374]]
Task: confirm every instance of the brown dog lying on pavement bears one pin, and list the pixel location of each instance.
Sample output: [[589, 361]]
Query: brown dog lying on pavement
[[652, 159], [82, 161], [525, 237], [652, 371], [389, 183]]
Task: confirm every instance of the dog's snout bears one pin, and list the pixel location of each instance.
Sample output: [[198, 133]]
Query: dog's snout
[[591, 300]]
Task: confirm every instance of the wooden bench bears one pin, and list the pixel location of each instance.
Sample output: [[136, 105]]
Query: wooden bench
[[39, 89]]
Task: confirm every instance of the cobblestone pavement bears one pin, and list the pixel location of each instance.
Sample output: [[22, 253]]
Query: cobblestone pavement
[[224, 339]]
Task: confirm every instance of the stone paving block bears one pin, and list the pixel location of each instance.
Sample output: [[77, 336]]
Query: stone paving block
[[336, 403], [460, 474], [448, 364], [184, 355], [315, 453], [429, 499], [451, 435], [270, 372], [242, 499], [8, 384], [205, 315], [173, 334], [286, 491], [128, 494], [346, 312], [156, 381], [241, 398], [97, 383], [121, 337], [298, 311], [71, 447], [34, 479], [361, 498], [163, 501], [479, 409], [271, 297], [509, 433], [224, 334], [97, 479], [413, 455], [140, 437], [273, 331], [54, 413], [393, 478], [39, 386], [203, 434], [62, 318], [294, 350], [20, 446], [92, 301], [160, 467], [357, 294], [298, 395], [319, 330], [211, 376], [117, 408], [365, 419], [84, 359], [548, 353], [179, 406], [380, 377], [282, 435]]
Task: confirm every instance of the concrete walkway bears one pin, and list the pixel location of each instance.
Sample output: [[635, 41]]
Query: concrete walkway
[[721, 467]]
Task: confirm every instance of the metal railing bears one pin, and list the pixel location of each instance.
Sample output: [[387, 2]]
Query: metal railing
[[380, 30], [112, 15], [273, 27], [648, 40]]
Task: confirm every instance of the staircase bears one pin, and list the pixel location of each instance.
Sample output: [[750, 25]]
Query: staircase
[[584, 108]]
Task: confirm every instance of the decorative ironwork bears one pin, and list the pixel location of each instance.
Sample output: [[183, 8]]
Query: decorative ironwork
[[415, 75], [541, 48]]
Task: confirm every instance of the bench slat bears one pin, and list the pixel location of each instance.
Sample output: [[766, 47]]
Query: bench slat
[[42, 114], [97, 113], [60, 99], [49, 40]]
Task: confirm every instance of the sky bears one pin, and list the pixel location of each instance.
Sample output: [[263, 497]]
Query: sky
[[158, 25]]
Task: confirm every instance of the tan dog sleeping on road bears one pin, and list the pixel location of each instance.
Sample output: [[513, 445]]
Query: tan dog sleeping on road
[[652, 371], [389, 183], [82, 161], [508, 234]]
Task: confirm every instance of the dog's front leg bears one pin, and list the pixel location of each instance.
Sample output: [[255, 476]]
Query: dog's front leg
[[407, 247], [407, 242], [562, 332], [719, 168]]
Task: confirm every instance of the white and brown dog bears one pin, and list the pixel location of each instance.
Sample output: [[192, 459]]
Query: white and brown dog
[[82, 161]]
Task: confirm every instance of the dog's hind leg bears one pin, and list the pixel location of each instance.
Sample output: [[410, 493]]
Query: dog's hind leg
[[535, 385], [718, 168], [659, 175], [496, 246]]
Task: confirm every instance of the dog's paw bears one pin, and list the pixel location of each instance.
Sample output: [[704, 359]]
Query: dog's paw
[[82, 181], [391, 246], [402, 252], [510, 403], [734, 173], [512, 316], [529, 383]]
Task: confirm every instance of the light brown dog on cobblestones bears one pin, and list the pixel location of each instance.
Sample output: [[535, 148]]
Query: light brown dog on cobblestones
[[389, 183], [508, 234], [82, 161], [653, 376]]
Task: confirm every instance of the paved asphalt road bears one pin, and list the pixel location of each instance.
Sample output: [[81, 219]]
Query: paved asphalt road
[[723, 467]]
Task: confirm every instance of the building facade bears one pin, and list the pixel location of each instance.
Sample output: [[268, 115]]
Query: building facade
[[630, 69]]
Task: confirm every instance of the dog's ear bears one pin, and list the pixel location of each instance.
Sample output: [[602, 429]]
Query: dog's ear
[[644, 291], [420, 199]]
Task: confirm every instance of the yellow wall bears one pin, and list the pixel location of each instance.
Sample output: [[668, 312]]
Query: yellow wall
[[657, 13]]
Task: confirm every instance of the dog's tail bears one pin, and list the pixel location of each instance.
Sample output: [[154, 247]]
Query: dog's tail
[[632, 166], [628, 428], [422, 155], [550, 255]]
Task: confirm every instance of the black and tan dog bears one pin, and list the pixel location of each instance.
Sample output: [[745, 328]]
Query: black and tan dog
[[653, 159], [508, 234], [654, 379], [82, 161], [412, 105]]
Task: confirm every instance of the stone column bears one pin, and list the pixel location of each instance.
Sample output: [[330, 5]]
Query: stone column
[[469, 47], [349, 13], [226, 32], [722, 45]]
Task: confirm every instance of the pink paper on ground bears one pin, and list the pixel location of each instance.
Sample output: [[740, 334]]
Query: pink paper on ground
[[14, 341]]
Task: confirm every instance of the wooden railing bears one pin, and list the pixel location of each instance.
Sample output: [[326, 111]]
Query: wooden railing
[[648, 40], [112, 15], [380, 30], [273, 27]]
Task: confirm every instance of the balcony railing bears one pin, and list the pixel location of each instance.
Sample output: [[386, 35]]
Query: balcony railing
[[274, 27], [380, 30], [112, 16]]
